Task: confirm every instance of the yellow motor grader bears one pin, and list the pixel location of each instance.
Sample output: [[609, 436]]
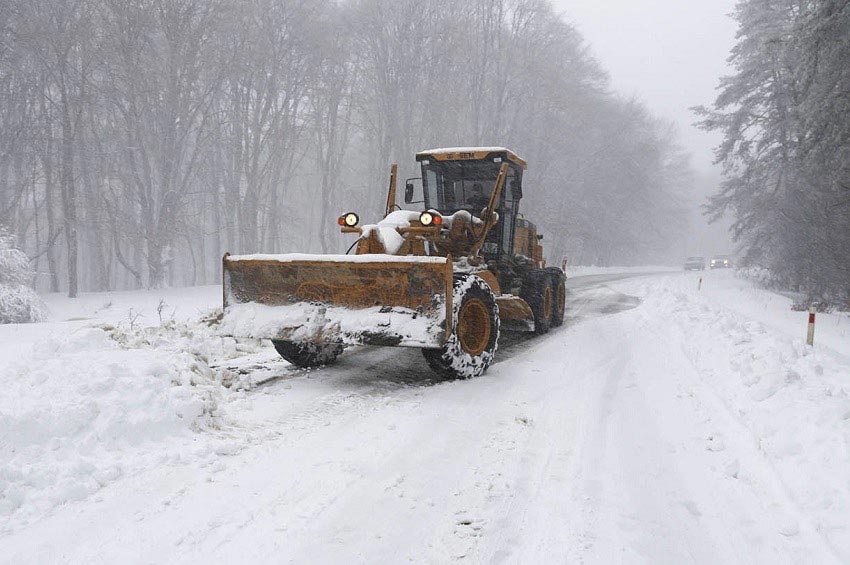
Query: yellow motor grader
[[445, 278]]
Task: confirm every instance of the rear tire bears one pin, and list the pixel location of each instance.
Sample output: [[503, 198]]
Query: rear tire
[[537, 291], [472, 344], [308, 354], [559, 295]]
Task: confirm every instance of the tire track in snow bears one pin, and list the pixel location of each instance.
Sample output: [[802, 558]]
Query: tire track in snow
[[377, 376], [556, 525], [364, 373]]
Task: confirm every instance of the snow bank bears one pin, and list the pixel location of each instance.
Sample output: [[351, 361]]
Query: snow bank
[[87, 407], [582, 270], [792, 400]]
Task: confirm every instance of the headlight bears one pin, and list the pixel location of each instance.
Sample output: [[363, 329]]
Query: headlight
[[349, 220], [430, 218]]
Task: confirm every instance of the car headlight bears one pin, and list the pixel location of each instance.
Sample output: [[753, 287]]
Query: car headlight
[[428, 218], [349, 220]]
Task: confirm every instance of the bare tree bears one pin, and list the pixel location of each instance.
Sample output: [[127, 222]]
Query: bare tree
[[161, 86], [59, 37], [151, 135]]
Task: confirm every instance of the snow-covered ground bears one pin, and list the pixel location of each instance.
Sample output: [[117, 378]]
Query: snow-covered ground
[[583, 270], [662, 424]]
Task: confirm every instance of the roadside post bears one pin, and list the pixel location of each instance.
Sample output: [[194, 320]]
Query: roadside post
[[810, 335], [699, 284]]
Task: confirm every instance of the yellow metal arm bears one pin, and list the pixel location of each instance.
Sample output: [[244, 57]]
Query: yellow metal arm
[[490, 217]]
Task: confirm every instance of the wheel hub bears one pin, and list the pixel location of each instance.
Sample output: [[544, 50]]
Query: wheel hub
[[473, 326]]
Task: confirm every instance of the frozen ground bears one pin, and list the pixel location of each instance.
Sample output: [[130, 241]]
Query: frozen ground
[[582, 270], [661, 424]]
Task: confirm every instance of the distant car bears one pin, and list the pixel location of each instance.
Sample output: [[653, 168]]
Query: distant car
[[720, 262], [695, 264]]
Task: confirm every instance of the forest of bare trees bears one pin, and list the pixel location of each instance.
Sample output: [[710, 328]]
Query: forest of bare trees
[[140, 139]]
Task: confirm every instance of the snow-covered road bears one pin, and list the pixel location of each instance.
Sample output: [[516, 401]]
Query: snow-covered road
[[658, 425]]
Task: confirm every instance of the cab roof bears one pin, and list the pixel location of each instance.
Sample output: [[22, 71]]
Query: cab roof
[[470, 154]]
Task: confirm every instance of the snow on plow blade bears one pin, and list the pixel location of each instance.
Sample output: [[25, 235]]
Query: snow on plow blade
[[350, 299]]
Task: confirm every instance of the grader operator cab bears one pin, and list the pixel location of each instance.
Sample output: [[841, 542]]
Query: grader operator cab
[[444, 279]]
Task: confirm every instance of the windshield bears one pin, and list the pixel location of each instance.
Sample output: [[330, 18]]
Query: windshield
[[450, 186]]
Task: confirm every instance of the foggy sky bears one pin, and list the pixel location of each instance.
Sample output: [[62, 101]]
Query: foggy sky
[[669, 53]]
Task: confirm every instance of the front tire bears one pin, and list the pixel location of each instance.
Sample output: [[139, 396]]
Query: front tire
[[307, 354], [472, 344]]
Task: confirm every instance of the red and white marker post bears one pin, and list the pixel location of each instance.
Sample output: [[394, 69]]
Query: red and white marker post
[[810, 335]]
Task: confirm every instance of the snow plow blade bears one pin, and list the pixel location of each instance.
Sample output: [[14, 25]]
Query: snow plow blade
[[348, 299]]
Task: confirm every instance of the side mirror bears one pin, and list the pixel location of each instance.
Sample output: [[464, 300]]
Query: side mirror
[[408, 192], [516, 190]]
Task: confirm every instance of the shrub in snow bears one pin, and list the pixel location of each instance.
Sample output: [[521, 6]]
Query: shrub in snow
[[18, 302]]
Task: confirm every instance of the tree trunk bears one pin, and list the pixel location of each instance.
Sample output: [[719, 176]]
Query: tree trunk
[[69, 196], [94, 212], [49, 192], [156, 269]]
